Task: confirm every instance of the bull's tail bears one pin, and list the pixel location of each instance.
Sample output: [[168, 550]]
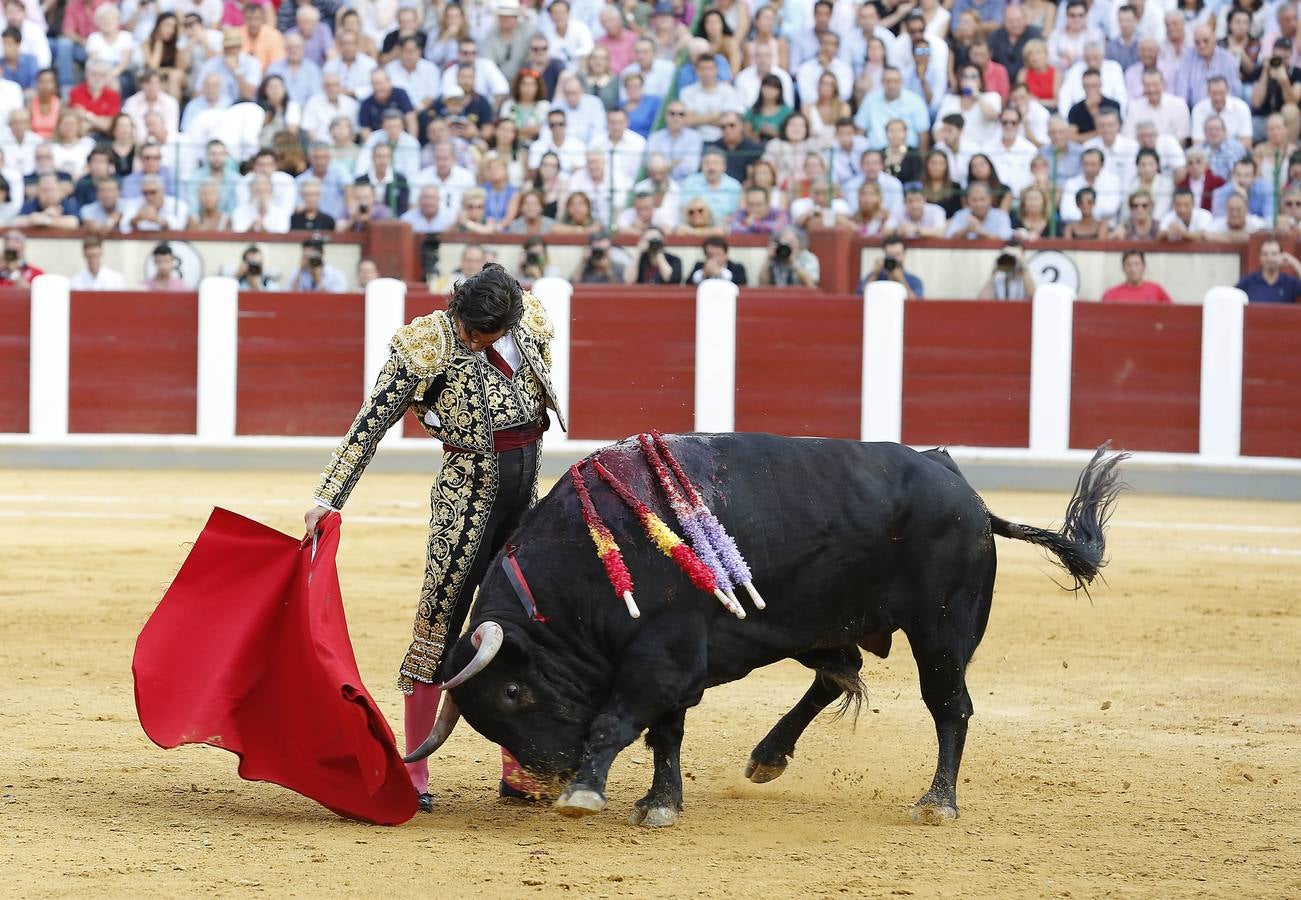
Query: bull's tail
[[1080, 545]]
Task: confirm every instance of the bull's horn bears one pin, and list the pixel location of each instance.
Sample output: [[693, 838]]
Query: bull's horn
[[448, 715], [488, 638]]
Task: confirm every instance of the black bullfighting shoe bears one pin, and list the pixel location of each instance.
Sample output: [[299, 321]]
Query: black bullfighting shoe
[[426, 802]]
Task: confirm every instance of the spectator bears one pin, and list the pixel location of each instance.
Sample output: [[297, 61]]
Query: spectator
[[1136, 288], [164, 52], [870, 216], [331, 103], [1107, 189], [1152, 181], [353, 67], [659, 183], [1169, 113], [891, 267], [617, 40], [404, 150], [708, 99], [1039, 75], [95, 100], [532, 219], [739, 151], [1066, 45], [825, 108], [383, 97], [804, 40], [15, 271], [151, 98], [165, 276], [250, 273], [1233, 114], [1269, 284], [570, 152], [69, 148], [766, 39], [429, 216], [1237, 224], [584, 114], [542, 61], [1011, 279], [599, 265], [578, 217], [45, 104], [1278, 89], [716, 264], [98, 166], [21, 68], [390, 187], [1184, 222], [1062, 151], [720, 191], [239, 72], [451, 179], [1007, 43], [157, 211], [640, 109], [408, 22], [981, 219], [264, 43], [507, 45], [1087, 227], [314, 273], [922, 59], [310, 216], [1119, 152], [789, 264], [367, 271], [1033, 218], [473, 258], [720, 36], [284, 188], [208, 213], [915, 218], [1082, 115], [1111, 75], [302, 77], [681, 145], [624, 148], [827, 60], [758, 215], [938, 186], [1010, 153], [104, 216], [1258, 194], [642, 215], [1169, 152], [331, 178], [96, 276], [49, 208], [789, 152], [656, 74], [34, 41], [570, 39], [1141, 224], [891, 101], [606, 189], [1205, 61], [654, 265], [821, 208]]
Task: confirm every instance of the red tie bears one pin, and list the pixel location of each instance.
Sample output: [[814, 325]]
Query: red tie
[[499, 362]]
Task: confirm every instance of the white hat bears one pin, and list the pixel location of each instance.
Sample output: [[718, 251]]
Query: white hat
[[453, 93], [506, 7]]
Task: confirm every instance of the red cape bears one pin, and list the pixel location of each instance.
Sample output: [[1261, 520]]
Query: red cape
[[249, 651]]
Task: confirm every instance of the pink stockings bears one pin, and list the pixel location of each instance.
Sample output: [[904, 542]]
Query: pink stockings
[[421, 710]]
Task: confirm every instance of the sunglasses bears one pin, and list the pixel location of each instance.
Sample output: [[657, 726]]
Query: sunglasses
[[698, 210], [676, 112]]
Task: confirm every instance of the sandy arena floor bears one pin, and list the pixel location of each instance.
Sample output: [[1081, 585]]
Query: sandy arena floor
[[1147, 744]]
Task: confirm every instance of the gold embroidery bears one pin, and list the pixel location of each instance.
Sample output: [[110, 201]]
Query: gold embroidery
[[425, 342]]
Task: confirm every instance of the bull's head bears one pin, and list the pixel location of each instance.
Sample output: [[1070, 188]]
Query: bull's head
[[505, 697]]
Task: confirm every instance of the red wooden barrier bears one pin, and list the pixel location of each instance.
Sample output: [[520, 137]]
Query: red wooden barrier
[[632, 362], [799, 362], [15, 359], [1271, 381], [301, 361], [133, 362], [966, 373], [1136, 376]]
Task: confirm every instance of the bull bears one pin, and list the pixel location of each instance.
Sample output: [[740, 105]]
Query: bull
[[849, 542]]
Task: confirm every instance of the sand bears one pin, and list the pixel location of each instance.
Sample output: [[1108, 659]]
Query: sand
[[1147, 743]]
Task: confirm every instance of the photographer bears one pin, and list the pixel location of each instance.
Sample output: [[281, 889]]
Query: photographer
[[789, 264], [1276, 87], [14, 270], [891, 268], [1010, 280], [315, 275], [599, 266], [654, 266], [250, 275], [534, 263]]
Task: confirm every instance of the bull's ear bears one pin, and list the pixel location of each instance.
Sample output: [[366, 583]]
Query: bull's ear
[[516, 647]]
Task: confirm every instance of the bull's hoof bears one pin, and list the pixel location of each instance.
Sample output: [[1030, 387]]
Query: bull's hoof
[[762, 773], [934, 813], [654, 816], [576, 802]]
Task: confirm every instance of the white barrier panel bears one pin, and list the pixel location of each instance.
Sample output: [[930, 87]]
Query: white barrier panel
[[556, 294], [716, 355], [882, 410], [1050, 368], [48, 374], [386, 312], [218, 358], [1220, 428]]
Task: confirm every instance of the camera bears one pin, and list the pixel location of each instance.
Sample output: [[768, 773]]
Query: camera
[[889, 264], [782, 253], [598, 255], [363, 209], [1006, 262], [11, 255], [315, 259], [655, 246], [253, 269], [533, 259]]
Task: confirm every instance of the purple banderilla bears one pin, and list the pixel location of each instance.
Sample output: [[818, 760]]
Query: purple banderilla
[[698, 520]]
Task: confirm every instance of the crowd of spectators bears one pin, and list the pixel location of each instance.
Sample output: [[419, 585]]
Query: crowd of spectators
[[1145, 120]]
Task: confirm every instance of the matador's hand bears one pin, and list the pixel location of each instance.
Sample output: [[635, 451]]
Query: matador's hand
[[313, 518]]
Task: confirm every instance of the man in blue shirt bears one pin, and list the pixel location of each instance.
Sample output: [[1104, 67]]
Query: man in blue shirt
[[720, 191], [891, 268], [1271, 284], [383, 96], [891, 101], [981, 219]]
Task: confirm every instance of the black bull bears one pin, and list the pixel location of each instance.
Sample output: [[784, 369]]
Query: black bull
[[848, 542]]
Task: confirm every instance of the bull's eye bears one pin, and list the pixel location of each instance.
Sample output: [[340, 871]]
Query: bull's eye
[[512, 691]]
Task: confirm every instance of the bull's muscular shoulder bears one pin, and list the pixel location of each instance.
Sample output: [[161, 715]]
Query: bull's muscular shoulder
[[425, 343], [535, 322]]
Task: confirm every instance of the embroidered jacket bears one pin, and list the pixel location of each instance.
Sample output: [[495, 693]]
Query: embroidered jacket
[[429, 371]]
